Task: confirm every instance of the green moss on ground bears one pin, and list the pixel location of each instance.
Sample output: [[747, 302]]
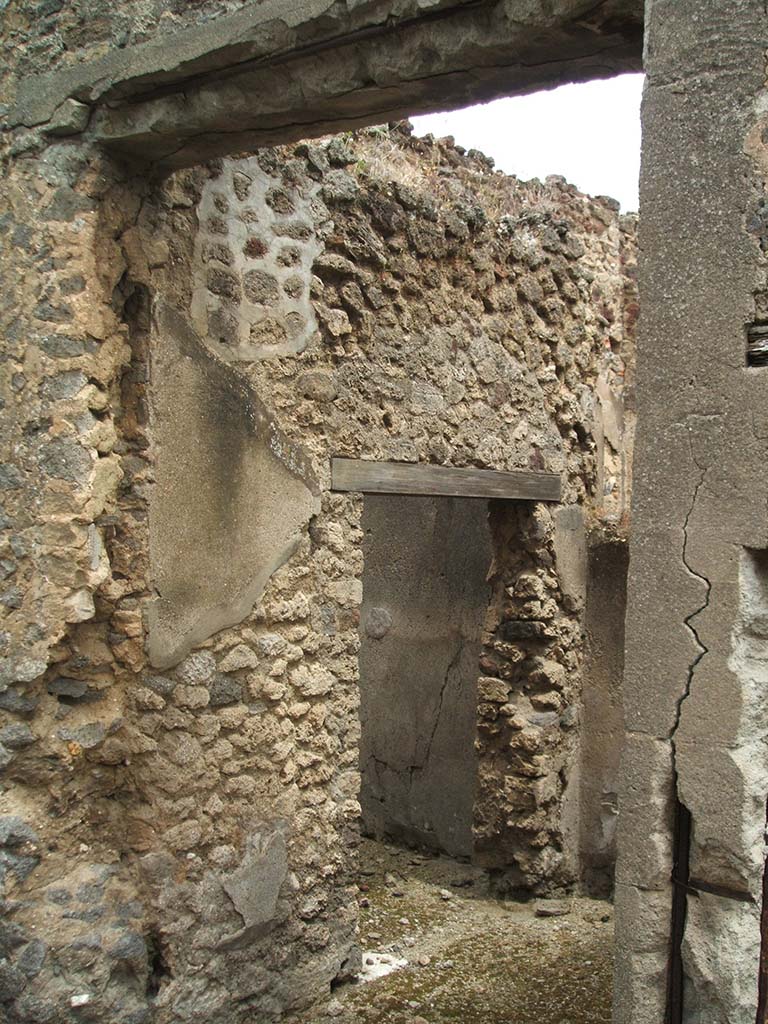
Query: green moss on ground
[[484, 961]]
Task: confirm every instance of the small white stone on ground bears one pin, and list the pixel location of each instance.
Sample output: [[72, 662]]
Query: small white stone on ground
[[378, 965]]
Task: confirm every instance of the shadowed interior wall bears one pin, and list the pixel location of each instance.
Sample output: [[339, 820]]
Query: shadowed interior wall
[[425, 597], [601, 723]]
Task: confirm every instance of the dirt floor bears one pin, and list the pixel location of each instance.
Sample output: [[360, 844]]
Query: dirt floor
[[466, 958]]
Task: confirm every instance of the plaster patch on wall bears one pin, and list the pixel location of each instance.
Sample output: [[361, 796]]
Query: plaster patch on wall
[[258, 237], [254, 886], [721, 947], [232, 498], [749, 663], [721, 950]]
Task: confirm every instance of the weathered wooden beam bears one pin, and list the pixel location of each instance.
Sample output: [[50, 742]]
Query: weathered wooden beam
[[418, 478]]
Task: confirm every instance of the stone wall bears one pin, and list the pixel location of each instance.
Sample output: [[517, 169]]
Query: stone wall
[[68, 646], [529, 709], [55, 36], [77, 462], [181, 699]]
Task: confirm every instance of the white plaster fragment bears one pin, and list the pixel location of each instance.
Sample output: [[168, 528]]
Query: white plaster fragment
[[379, 965]]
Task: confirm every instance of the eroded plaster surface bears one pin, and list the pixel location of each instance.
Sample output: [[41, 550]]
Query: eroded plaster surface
[[231, 497], [254, 252], [187, 92]]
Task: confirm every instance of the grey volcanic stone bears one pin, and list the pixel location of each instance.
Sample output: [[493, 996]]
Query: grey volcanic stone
[[16, 735], [31, 958], [14, 701], [225, 689], [88, 736], [62, 686], [65, 460], [14, 831], [12, 982]]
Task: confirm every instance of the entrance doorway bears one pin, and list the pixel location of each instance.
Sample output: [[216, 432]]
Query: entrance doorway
[[425, 600]]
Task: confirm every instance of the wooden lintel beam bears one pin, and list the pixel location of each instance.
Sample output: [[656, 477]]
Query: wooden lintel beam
[[421, 479]]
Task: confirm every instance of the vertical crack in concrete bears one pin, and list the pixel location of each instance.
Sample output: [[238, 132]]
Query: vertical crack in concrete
[[682, 827], [446, 679], [424, 761], [688, 620]]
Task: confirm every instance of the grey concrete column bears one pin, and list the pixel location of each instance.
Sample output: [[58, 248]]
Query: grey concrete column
[[694, 706]]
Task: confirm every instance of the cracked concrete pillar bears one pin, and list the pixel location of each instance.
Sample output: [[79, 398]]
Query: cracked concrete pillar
[[693, 653]]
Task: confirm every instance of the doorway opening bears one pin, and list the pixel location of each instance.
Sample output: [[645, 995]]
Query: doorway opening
[[464, 772], [425, 602]]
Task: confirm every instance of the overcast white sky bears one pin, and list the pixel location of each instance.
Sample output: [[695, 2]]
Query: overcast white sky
[[589, 133]]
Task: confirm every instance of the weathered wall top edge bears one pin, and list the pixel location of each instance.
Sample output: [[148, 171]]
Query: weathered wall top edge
[[257, 30], [280, 30]]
